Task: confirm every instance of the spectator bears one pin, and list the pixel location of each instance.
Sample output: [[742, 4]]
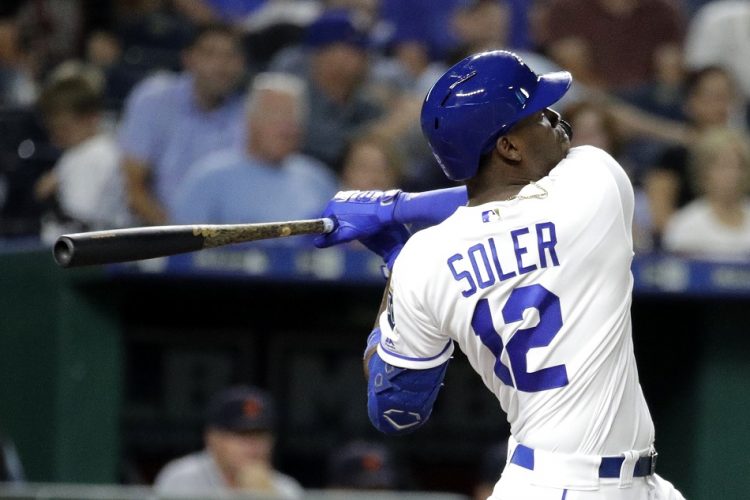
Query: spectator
[[171, 121], [103, 51], [407, 68], [152, 33], [17, 83], [52, 30], [362, 465], [233, 12], [85, 186], [269, 180], [611, 44], [594, 125], [718, 34], [239, 441], [338, 67], [372, 161], [538, 16], [716, 225], [663, 94], [710, 101], [480, 25]]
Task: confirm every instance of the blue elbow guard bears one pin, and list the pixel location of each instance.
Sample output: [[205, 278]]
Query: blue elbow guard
[[399, 400]]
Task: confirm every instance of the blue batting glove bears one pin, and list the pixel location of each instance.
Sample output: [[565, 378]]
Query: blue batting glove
[[358, 215], [388, 243]]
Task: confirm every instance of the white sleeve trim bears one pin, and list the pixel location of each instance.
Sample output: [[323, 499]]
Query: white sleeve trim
[[401, 361]]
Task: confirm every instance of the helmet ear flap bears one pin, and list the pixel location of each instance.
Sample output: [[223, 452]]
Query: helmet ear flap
[[477, 100]]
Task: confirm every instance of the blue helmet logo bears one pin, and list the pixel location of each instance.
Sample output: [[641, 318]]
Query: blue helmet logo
[[478, 100]]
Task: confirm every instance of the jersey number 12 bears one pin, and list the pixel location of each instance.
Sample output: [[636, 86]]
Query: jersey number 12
[[540, 335]]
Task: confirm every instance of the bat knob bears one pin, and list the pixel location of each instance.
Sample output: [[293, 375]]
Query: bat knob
[[63, 251]]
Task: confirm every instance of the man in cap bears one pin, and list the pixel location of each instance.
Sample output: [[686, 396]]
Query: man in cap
[[336, 68], [237, 456], [362, 465]]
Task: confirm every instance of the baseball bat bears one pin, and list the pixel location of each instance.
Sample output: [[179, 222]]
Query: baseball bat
[[123, 245]]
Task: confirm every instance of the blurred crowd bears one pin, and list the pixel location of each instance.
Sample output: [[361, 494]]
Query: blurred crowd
[[138, 112]]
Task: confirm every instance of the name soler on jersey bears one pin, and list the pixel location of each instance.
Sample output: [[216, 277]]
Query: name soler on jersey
[[505, 256]]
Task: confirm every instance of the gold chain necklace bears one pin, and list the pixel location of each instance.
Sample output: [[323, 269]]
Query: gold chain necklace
[[537, 196]]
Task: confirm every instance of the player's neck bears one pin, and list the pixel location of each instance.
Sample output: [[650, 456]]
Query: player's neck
[[499, 194], [496, 185]]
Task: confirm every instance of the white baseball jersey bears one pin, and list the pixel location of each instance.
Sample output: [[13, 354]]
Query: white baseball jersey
[[537, 293]]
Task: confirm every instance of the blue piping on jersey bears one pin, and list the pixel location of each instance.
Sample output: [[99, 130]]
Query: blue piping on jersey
[[407, 358]]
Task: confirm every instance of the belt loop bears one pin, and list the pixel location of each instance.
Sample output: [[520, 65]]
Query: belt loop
[[628, 468]]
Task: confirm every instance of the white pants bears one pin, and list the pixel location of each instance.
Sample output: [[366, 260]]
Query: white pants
[[516, 483]]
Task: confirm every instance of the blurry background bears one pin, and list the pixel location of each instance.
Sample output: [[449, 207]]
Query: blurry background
[[131, 112]]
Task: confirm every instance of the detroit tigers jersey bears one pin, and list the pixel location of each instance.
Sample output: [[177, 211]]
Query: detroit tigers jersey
[[536, 291]]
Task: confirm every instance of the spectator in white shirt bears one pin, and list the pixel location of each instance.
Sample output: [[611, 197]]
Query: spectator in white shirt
[[715, 226], [85, 185]]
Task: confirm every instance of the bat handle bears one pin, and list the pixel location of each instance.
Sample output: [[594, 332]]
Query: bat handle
[[328, 225]]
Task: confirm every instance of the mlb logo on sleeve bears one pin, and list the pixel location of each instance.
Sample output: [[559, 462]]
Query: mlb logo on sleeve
[[491, 215]]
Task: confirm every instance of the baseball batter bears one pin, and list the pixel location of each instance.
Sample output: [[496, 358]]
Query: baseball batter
[[531, 278]]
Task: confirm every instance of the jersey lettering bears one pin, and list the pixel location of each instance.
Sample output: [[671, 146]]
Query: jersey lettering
[[525, 339], [479, 268]]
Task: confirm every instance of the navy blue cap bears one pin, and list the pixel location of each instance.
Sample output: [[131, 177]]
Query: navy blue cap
[[241, 409], [363, 465], [335, 26]]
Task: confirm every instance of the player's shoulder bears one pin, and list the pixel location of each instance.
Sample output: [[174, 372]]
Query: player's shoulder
[[588, 164], [421, 251], [589, 155]]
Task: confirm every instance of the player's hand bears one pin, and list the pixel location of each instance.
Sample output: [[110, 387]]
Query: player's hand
[[388, 242], [360, 215]]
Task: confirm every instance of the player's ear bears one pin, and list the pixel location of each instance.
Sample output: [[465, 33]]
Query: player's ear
[[508, 149]]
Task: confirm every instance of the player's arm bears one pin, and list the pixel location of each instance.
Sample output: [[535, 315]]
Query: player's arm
[[399, 400], [138, 191], [362, 214]]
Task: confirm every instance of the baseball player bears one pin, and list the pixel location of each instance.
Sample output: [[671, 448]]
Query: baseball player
[[529, 274]]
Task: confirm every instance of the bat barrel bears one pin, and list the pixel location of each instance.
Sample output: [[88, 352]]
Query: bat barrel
[[124, 245]]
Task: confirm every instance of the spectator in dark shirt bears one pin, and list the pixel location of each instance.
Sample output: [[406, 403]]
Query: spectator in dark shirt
[[338, 67]]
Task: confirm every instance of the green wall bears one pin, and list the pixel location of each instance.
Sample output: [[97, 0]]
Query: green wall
[[60, 370]]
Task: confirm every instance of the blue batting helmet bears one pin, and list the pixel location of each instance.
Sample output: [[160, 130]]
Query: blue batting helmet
[[478, 100]]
